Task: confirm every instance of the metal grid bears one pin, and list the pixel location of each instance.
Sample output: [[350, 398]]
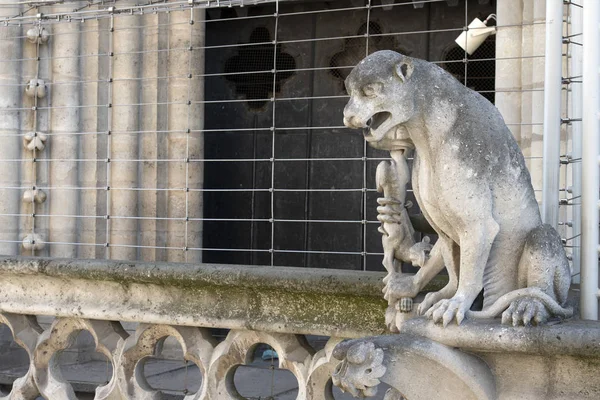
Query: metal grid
[[258, 73]]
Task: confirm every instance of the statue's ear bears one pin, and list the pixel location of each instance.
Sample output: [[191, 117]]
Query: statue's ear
[[404, 70]]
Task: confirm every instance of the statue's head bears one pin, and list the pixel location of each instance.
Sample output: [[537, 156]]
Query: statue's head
[[382, 99]]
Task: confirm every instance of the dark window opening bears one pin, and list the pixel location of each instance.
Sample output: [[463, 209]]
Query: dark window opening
[[261, 59], [480, 75]]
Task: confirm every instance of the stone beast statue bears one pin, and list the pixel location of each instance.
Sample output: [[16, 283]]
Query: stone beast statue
[[470, 180]]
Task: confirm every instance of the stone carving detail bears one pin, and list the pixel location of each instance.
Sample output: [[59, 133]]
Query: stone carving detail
[[413, 366], [127, 354], [321, 369], [393, 394], [294, 355], [48, 377], [35, 141], [36, 87], [38, 35], [34, 195], [25, 331], [470, 180], [397, 234], [360, 371], [197, 345], [33, 241]]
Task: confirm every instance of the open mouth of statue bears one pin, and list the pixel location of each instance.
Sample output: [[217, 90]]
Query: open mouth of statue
[[376, 121]]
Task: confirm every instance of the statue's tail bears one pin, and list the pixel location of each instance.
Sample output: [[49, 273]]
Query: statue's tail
[[504, 302]]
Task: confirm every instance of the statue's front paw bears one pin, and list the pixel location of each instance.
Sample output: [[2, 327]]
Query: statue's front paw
[[432, 298], [445, 311], [525, 311]]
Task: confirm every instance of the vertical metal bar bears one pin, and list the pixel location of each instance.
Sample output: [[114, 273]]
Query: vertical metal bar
[[109, 129], [466, 55], [590, 171], [364, 185], [127, 47], [195, 141], [576, 132], [273, 98], [552, 103]]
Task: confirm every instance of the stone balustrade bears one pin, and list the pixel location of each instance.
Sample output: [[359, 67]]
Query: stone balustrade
[[261, 305], [217, 362], [280, 308]]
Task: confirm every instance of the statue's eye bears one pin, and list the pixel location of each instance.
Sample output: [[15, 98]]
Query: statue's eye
[[372, 89]]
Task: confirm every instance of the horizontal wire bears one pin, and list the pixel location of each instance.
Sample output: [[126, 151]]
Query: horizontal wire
[[192, 219], [226, 101], [185, 5], [299, 190], [269, 43], [185, 160], [158, 25], [175, 77], [227, 130], [336, 190], [332, 252]]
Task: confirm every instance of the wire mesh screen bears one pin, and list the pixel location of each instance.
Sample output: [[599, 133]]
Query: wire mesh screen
[[311, 196], [212, 131]]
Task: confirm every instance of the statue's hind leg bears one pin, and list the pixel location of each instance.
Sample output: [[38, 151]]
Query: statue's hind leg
[[543, 265]]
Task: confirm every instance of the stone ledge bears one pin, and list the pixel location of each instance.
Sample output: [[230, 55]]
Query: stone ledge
[[193, 276], [572, 337], [327, 302]]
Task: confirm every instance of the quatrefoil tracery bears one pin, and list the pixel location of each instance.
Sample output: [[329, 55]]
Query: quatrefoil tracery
[[127, 354]]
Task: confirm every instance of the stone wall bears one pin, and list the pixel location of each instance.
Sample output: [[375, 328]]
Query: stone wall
[[107, 173]]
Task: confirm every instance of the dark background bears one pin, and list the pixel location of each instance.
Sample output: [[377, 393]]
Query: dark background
[[239, 117]]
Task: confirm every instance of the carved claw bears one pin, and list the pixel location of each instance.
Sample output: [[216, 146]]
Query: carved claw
[[432, 298], [525, 312], [445, 311]]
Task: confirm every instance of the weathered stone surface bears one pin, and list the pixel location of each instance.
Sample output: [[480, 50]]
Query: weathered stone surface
[[470, 180], [197, 345], [324, 302], [25, 331], [416, 367], [487, 360], [48, 377], [129, 354], [570, 338]]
